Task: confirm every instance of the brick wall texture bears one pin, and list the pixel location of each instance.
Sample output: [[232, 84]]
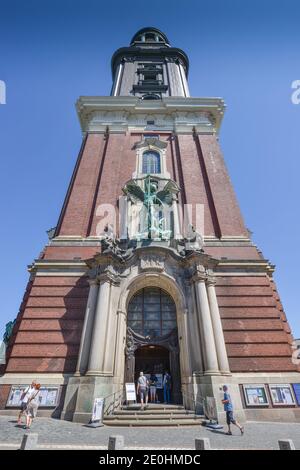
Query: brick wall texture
[[47, 335]]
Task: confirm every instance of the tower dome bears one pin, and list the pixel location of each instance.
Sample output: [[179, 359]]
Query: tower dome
[[149, 35], [149, 67]]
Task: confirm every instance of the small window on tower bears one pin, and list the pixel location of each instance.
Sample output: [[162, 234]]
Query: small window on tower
[[150, 77], [151, 162], [150, 37]]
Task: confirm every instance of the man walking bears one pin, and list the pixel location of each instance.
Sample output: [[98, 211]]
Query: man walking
[[143, 389], [229, 412], [167, 387]]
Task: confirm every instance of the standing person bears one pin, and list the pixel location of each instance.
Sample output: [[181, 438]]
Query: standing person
[[153, 383], [24, 400], [167, 387], [142, 389], [229, 412], [32, 406]]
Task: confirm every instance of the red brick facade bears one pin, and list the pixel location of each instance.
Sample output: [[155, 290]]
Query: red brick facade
[[47, 335]]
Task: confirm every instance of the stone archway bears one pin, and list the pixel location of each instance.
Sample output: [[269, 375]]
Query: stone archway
[[159, 306]]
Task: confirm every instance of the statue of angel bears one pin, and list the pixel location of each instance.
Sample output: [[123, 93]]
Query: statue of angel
[[152, 200]]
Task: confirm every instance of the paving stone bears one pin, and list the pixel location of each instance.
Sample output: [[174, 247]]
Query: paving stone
[[65, 434]]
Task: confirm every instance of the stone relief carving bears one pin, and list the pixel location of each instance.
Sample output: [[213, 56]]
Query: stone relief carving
[[110, 245], [103, 118], [108, 116], [152, 262], [134, 341]]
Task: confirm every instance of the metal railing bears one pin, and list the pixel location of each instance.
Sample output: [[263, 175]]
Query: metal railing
[[198, 404], [113, 401], [202, 406]]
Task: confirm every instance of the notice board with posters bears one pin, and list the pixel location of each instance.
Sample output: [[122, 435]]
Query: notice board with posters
[[48, 396], [281, 394], [296, 388]]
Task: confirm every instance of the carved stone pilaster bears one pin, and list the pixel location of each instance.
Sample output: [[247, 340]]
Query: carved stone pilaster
[[108, 273], [199, 274]]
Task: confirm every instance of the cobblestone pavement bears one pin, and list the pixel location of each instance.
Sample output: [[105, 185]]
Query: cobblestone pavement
[[66, 435]]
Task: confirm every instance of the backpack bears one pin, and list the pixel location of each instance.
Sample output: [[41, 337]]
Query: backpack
[[167, 379]]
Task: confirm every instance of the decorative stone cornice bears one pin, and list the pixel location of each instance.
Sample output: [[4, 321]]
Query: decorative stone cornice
[[242, 265], [211, 280], [46, 267], [150, 144], [199, 274], [109, 275], [175, 114]]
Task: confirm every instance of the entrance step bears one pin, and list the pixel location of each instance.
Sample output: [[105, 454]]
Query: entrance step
[[154, 422], [153, 412], [153, 406], [153, 415]]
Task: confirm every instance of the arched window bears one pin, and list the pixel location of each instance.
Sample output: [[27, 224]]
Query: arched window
[[152, 312], [151, 162], [150, 96]]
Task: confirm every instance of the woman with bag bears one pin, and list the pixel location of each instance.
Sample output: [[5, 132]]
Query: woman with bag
[[32, 406], [24, 400]]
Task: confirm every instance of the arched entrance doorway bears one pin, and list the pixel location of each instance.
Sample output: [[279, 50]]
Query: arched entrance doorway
[[152, 337], [152, 359]]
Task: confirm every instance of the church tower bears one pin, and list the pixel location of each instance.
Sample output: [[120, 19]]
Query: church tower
[[150, 266]]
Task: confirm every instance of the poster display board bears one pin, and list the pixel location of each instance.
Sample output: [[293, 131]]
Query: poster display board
[[255, 395], [296, 388], [48, 396], [159, 383], [130, 391], [281, 394], [210, 408], [97, 414]]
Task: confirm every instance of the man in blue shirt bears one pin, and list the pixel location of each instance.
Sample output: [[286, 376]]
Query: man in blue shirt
[[229, 412]]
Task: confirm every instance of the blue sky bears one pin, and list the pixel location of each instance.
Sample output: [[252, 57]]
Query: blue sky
[[53, 51]]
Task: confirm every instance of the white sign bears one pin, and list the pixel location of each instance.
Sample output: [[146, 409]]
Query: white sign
[[97, 409], [130, 392]]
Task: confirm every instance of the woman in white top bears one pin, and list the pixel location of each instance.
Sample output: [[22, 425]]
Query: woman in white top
[[32, 406], [24, 400]]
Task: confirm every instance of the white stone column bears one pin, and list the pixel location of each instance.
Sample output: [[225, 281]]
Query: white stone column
[[217, 327], [123, 218], [209, 347], [120, 344], [86, 335], [99, 336], [116, 87], [177, 233]]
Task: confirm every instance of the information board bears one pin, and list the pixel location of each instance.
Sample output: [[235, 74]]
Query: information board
[[97, 414], [130, 392], [48, 396], [281, 394], [255, 395], [296, 388]]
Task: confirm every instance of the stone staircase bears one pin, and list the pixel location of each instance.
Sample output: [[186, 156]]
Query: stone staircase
[[153, 415]]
